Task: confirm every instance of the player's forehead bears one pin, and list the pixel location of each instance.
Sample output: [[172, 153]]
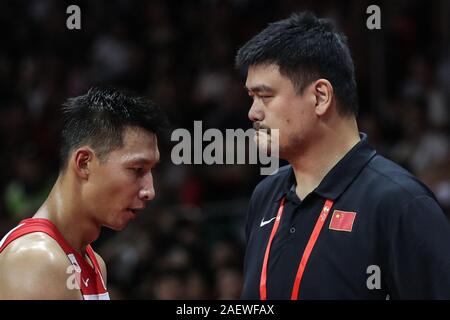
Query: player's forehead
[[138, 145]]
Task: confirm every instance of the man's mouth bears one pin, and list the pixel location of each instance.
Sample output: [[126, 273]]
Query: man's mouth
[[134, 211], [257, 126]]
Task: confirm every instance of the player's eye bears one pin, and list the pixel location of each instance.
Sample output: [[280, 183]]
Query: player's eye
[[138, 171]]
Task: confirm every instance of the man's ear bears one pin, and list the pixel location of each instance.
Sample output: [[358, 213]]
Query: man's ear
[[82, 160], [323, 91]]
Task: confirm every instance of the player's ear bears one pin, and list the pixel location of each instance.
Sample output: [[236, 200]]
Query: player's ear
[[323, 90], [81, 160]]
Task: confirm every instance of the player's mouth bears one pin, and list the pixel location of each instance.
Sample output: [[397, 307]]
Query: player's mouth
[[134, 211]]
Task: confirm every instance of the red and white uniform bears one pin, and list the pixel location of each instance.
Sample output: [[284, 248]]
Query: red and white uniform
[[86, 278]]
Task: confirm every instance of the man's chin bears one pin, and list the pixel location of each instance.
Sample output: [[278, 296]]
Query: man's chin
[[265, 149], [262, 140], [267, 143], [114, 227], [119, 226]]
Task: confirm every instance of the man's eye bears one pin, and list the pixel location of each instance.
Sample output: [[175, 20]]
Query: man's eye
[[138, 171], [266, 97]]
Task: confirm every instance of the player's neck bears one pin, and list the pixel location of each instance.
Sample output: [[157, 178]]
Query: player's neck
[[321, 156], [62, 209]]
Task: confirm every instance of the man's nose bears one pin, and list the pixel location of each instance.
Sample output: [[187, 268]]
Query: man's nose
[[147, 191], [255, 113]]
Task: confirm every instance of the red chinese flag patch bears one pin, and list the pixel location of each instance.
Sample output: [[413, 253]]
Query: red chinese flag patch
[[342, 220]]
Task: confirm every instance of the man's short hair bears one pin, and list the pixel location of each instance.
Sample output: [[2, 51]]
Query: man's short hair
[[99, 117], [305, 49]]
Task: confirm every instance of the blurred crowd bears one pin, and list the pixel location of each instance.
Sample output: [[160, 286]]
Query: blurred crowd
[[189, 243]]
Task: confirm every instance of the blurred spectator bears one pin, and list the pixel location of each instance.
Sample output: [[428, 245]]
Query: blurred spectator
[[30, 186], [228, 283]]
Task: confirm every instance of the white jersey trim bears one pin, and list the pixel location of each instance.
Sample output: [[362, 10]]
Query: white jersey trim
[[101, 296], [7, 235]]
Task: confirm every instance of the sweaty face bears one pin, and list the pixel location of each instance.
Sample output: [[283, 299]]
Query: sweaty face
[[120, 185], [277, 105]]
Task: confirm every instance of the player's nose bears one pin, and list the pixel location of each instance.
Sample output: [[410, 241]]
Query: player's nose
[[147, 191]]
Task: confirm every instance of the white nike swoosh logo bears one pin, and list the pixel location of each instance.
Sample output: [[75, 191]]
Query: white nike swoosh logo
[[86, 282], [263, 223]]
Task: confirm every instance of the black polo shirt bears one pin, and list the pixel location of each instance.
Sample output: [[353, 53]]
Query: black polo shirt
[[398, 243]]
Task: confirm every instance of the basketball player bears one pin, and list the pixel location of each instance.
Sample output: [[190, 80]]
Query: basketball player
[[109, 148]]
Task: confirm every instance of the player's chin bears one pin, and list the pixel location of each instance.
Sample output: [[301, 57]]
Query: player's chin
[[118, 226], [121, 221]]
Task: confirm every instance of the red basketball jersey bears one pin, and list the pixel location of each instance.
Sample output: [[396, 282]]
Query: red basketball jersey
[[81, 276]]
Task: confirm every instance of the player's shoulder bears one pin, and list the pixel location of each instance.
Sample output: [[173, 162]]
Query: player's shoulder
[[34, 245], [34, 267], [33, 252]]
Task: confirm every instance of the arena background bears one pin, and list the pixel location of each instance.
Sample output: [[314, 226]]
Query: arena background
[[189, 243]]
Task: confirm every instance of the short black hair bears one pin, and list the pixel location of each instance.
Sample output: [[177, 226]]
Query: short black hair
[[99, 117], [305, 48]]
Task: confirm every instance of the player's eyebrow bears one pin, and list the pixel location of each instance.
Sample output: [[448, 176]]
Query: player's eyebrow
[[259, 88]]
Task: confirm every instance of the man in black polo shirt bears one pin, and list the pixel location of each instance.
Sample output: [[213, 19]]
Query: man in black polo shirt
[[341, 221]]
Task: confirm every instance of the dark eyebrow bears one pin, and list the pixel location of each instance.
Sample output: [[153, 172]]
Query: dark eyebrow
[[259, 88], [141, 160]]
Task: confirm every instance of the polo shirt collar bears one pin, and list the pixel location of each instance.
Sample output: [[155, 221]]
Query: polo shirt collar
[[341, 175], [346, 170]]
